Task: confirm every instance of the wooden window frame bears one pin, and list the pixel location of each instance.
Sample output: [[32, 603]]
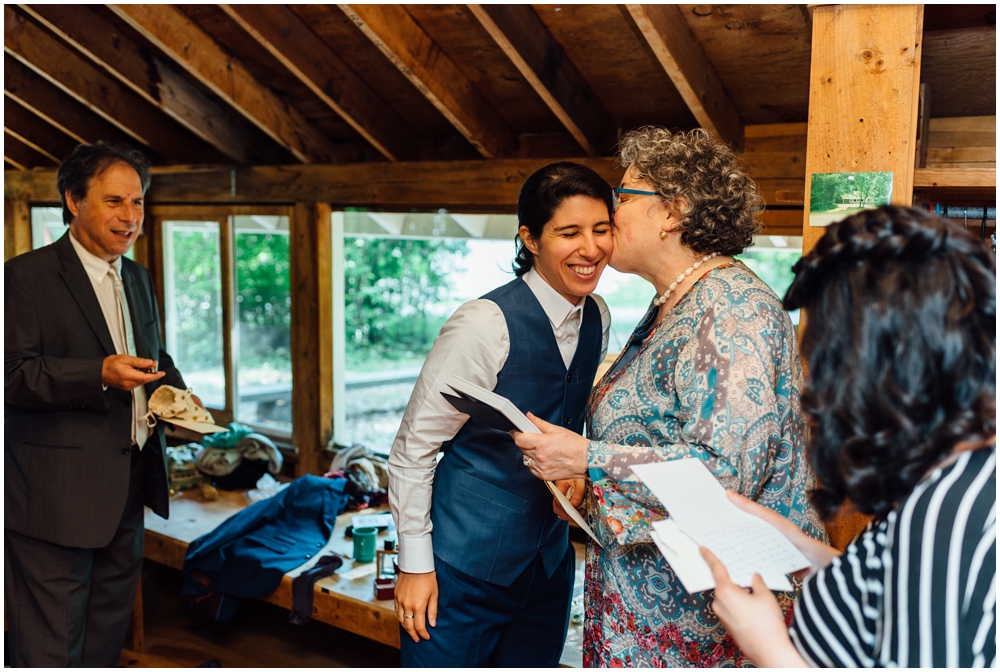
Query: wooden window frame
[[153, 258]]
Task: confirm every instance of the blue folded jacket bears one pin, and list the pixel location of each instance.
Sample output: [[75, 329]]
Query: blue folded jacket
[[247, 555]]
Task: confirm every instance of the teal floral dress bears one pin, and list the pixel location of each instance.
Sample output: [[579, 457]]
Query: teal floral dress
[[718, 379]]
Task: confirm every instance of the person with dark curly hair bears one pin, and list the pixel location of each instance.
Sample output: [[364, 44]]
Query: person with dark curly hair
[[901, 346], [711, 372]]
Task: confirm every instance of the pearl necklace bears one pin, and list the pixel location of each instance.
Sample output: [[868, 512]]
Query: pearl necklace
[[660, 300]]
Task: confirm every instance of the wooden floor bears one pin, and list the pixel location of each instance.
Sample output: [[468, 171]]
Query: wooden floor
[[259, 635]]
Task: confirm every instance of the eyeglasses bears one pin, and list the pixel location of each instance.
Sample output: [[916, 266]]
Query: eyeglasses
[[618, 191]]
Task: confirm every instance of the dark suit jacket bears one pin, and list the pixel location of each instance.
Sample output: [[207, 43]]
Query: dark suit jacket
[[66, 439], [247, 555]]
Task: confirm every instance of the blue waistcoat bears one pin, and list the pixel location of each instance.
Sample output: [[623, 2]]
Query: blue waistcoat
[[491, 516]]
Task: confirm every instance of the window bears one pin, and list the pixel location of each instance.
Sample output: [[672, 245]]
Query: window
[[399, 276], [47, 227], [402, 276], [227, 306]]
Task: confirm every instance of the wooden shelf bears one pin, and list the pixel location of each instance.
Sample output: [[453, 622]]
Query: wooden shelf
[[944, 184]]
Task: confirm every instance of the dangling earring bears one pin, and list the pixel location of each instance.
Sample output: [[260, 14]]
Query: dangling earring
[[663, 235]]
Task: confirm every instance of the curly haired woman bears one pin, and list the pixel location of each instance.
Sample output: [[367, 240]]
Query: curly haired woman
[[901, 345], [711, 372]]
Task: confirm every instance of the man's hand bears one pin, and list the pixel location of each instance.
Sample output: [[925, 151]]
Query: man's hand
[[417, 603], [125, 372], [752, 618], [574, 489]]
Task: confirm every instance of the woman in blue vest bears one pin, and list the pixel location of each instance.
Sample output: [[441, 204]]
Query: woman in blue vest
[[486, 566]]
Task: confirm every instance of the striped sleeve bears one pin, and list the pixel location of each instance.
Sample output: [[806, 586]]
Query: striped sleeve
[[836, 614], [918, 589]]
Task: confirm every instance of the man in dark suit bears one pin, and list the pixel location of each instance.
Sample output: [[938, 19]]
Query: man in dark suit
[[82, 354]]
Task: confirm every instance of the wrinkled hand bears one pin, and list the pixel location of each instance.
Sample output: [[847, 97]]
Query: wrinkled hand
[[753, 618], [416, 595], [122, 372], [817, 553], [556, 454], [579, 489]]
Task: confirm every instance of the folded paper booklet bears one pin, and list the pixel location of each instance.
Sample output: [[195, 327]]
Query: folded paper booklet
[[702, 515], [489, 408]]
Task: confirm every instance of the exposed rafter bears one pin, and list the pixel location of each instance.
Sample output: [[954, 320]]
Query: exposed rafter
[[308, 58], [22, 154], [541, 61], [50, 103], [36, 132], [146, 75], [62, 66], [193, 49], [420, 59], [685, 62]]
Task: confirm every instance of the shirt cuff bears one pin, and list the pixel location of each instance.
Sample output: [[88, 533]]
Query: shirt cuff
[[416, 554]]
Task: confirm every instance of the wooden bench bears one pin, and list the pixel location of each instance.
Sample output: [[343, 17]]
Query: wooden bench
[[345, 600]]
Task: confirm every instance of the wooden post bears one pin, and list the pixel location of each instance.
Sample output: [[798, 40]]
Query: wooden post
[[864, 91], [312, 333], [16, 227]]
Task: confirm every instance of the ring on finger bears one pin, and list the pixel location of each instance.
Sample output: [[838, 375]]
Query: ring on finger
[[529, 463], [407, 615]]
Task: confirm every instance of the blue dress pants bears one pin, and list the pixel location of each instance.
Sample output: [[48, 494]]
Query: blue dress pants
[[481, 624]]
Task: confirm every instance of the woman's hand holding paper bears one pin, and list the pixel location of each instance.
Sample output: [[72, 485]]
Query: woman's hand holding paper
[[752, 618], [556, 453], [817, 553]]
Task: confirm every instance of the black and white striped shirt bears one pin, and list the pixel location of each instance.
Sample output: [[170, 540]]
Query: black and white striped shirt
[[917, 589]]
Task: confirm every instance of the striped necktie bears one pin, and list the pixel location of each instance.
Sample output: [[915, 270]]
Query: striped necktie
[[139, 430]]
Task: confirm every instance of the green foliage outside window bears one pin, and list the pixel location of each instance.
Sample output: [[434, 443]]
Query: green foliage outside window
[[390, 286], [263, 299]]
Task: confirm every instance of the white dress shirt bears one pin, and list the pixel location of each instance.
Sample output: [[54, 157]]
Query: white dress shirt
[[473, 343], [99, 272]]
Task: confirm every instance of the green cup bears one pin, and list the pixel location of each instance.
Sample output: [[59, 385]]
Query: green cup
[[364, 543]]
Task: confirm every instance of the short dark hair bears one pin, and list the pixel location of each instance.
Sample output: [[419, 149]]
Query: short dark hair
[[543, 193], [723, 203], [900, 341], [88, 161]]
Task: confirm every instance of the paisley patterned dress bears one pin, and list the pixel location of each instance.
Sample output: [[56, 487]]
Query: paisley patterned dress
[[718, 379]]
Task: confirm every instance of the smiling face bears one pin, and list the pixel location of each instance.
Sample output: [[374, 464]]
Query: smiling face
[[574, 247], [639, 218], [107, 220]]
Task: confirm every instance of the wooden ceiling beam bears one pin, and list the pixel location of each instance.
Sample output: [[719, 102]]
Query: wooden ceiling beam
[[146, 75], [521, 35], [14, 164], [193, 49], [421, 60], [50, 103], [25, 141], [23, 155], [45, 137], [311, 61], [33, 46], [673, 43], [463, 186]]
